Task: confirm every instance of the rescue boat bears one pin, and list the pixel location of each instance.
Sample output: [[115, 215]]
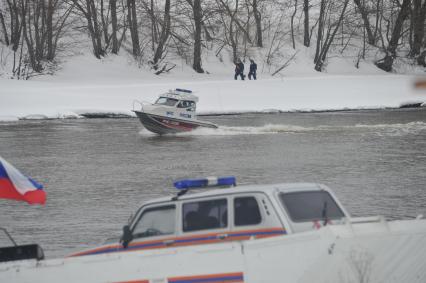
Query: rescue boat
[[173, 112], [260, 233]]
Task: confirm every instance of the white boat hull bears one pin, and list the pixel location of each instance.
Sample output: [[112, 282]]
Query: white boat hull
[[166, 125]]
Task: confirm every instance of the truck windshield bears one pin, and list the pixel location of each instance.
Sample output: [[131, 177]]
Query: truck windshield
[[310, 206]]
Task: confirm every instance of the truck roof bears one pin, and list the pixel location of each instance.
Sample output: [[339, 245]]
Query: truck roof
[[268, 189]]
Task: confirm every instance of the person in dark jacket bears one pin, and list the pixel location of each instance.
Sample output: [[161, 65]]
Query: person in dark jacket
[[239, 70], [253, 69]]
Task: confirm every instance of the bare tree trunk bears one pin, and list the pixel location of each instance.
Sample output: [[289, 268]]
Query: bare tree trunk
[[329, 39], [3, 25], [15, 25], [49, 30], [104, 24], [38, 8], [154, 36], [165, 32], [27, 14], [418, 22], [113, 5], [233, 41], [320, 30], [370, 37], [306, 37], [292, 24], [258, 20], [133, 25], [378, 17], [207, 33], [90, 13], [421, 60], [197, 36], [387, 62], [95, 28]]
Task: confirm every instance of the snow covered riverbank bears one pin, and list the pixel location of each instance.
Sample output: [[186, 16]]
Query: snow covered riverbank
[[47, 99]]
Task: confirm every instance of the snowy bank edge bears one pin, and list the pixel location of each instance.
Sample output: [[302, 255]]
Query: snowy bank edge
[[118, 114]]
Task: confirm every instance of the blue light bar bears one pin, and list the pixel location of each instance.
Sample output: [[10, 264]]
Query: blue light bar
[[184, 90], [205, 182]]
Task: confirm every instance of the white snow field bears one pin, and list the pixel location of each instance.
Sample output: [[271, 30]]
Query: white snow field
[[87, 85]]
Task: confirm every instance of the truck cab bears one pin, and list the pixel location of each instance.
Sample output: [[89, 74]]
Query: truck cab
[[235, 213]]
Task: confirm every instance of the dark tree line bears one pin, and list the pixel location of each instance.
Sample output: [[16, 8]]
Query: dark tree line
[[152, 29]]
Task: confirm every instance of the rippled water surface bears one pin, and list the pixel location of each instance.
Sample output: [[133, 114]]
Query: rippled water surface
[[97, 171]]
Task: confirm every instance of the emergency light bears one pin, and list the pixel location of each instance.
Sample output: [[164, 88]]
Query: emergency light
[[205, 182]]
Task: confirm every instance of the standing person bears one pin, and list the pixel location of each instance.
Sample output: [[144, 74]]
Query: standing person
[[239, 70], [253, 69], [241, 66]]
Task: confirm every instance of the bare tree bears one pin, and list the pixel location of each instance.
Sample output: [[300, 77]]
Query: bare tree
[[198, 16], [258, 20], [3, 26], [323, 48], [39, 32], [165, 32], [363, 11], [418, 24], [15, 24], [233, 15], [387, 62], [306, 37], [292, 24], [51, 7], [88, 9], [133, 25], [113, 5], [321, 21]]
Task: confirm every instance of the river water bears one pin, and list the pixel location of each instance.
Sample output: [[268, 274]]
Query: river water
[[98, 171]]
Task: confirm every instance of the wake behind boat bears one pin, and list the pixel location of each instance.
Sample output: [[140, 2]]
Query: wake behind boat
[[173, 112]]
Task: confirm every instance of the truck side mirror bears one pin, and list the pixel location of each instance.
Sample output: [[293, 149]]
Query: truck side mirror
[[127, 236]]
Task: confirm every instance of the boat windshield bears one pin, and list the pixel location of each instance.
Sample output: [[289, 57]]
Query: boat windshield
[[166, 101]]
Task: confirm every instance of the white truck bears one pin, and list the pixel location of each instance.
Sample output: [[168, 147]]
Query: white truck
[[260, 233]]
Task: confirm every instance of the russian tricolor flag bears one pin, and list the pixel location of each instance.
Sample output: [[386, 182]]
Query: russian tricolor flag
[[14, 185]]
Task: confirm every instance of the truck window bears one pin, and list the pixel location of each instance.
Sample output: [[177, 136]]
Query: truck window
[[246, 211], [156, 221], [204, 215], [310, 206]]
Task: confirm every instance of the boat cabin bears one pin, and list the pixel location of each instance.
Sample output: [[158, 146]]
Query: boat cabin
[[178, 98], [235, 213]]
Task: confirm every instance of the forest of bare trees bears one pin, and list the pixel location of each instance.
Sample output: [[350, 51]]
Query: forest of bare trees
[[39, 32]]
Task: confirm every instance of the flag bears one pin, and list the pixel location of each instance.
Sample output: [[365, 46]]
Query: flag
[[15, 185]]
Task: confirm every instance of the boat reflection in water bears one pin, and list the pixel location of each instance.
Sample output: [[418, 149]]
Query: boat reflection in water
[[173, 112]]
